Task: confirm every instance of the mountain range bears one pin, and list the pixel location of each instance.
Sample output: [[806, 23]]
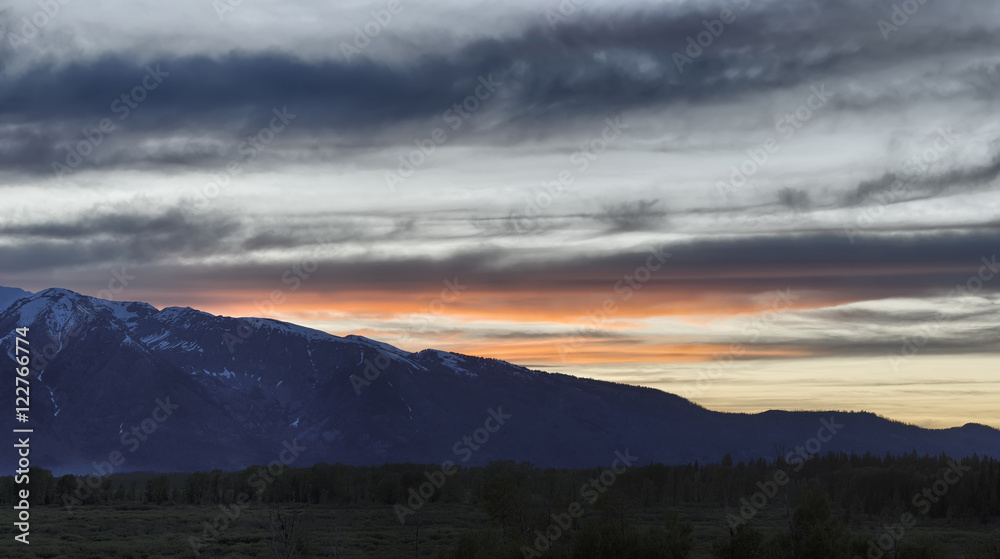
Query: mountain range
[[176, 389]]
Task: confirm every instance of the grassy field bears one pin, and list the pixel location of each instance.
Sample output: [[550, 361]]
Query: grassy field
[[163, 532]]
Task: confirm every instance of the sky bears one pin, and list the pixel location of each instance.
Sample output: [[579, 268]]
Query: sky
[[753, 204]]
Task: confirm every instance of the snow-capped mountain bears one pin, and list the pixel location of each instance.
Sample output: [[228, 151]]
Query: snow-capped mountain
[[178, 389], [8, 295]]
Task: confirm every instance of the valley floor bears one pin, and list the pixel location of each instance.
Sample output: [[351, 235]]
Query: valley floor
[[372, 532]]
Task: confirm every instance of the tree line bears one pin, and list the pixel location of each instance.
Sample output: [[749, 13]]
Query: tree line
[[828, 502]]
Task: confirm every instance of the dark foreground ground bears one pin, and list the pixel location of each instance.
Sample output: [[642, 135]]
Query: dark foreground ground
[[161, 532], [822, 507]]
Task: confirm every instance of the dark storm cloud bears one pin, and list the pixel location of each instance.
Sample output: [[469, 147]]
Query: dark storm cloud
[[108, 237], [623, 217], [594, 333], [871, 187], [639, 215], [820, 269], [894, 188], [132, 233], [794, 198], [585, 66], [818, 264], [924, 259], [270, 240], [865, 343], [518, 333], [126, 223], [973, 176], [897, 317]]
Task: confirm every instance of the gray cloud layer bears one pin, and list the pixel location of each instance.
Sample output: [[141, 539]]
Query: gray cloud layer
[[546, 87], [587, 66]]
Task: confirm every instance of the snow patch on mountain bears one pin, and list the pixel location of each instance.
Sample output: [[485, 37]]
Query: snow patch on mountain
[[127, 312], [226, 373], [378, 345], [153, 338], [389, 351], [56, 313], [182, 317], [453, 362], [288, 328], [52, 397], [189, 346]]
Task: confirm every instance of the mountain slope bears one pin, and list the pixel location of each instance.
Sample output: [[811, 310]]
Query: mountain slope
[[8, 295], [242, 388]]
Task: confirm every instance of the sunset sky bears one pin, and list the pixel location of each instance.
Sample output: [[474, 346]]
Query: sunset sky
[[799, 212]]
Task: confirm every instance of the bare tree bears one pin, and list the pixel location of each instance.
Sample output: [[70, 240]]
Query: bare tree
[[791, 523], [416, 537], [779, 458], [616, 507], [509, 504], [335, 548], [889, 513], [284, 533]]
